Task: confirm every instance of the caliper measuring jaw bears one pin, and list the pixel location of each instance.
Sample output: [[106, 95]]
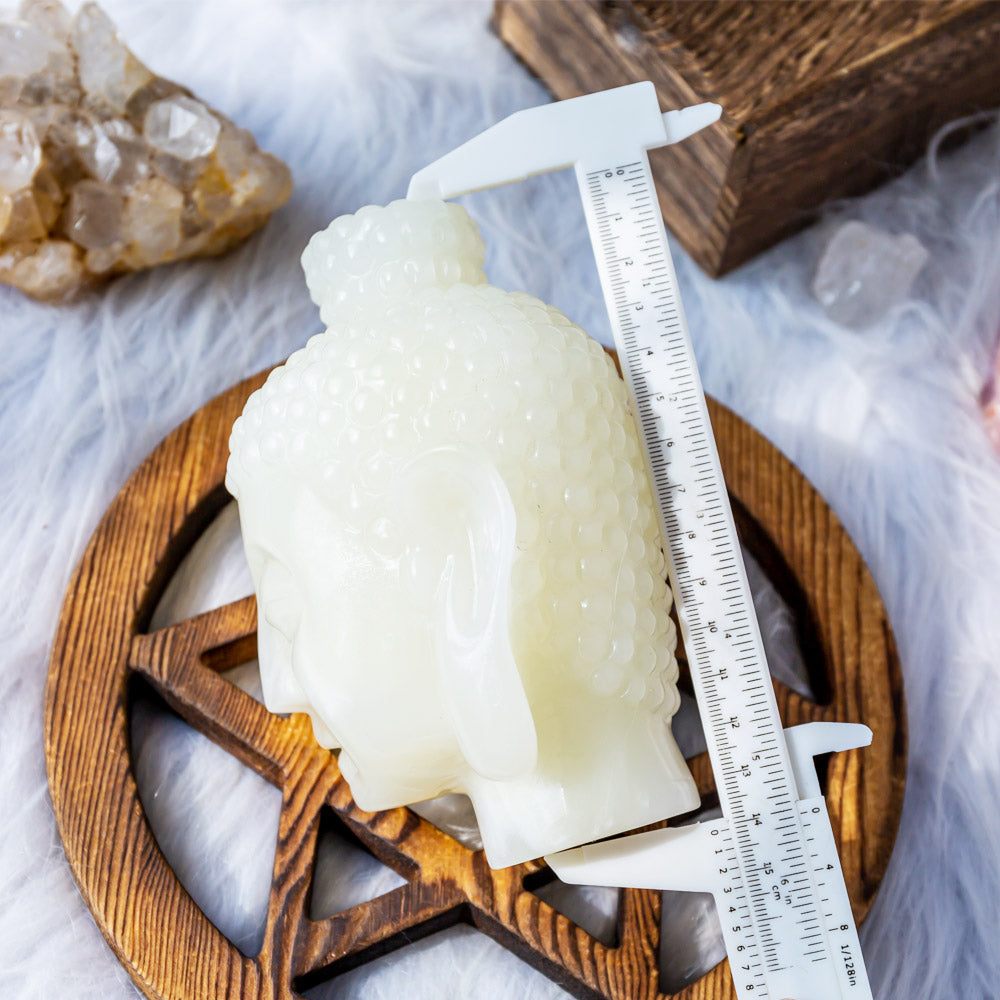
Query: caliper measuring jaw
[[589, 130], [695, 858], [683, 858]]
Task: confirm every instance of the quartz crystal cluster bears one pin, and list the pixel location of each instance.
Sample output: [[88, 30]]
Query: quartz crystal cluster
[[107, 168]]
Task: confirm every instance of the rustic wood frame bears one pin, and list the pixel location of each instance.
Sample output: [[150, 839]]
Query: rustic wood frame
[[169, 946]]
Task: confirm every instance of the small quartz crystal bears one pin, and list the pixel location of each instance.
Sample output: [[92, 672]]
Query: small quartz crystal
[[865, 271], [20, 151], [107, 168], [48, 16], [94, 215], [24, 50], [109, 73], [51, 270], [181, 126], [151, 224]]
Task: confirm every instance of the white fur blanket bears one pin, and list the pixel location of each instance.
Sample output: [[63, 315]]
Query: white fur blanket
[[355, 97]]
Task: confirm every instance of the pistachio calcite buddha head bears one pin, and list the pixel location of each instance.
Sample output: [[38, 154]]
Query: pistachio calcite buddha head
[[452, 537]]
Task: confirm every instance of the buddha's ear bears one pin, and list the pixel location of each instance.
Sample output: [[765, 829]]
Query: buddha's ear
[[457, 512]]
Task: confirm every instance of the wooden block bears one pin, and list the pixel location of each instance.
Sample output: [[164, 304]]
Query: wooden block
[[822, 99]]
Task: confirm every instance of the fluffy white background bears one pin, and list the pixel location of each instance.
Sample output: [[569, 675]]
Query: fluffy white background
[[354, 98]]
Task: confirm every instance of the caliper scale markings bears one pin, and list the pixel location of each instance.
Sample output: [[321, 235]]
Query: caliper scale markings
[[745, 741]]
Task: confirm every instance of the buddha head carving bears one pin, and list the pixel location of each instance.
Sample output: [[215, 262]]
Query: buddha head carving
[[451, 533]]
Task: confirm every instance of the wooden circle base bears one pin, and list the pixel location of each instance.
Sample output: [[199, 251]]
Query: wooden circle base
[[171, 948]]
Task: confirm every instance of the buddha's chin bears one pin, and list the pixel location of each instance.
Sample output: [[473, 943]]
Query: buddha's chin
[[365, 797]]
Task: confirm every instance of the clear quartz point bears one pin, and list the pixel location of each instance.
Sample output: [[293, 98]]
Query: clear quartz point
[[48, 16], [181, 126], [26, 219], [865, 271], [109, 73], [24, 49], [20, 150], [51, 270], [151, 225], [103, 157], [94, 215]]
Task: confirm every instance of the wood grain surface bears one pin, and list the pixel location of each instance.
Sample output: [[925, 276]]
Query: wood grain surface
[[821, 99], [165, 941]]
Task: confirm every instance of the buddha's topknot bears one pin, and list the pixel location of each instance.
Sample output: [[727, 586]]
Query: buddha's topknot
[[390, 252]]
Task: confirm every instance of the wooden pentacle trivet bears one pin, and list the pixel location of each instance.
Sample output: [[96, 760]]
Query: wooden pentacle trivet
[[171, 948]]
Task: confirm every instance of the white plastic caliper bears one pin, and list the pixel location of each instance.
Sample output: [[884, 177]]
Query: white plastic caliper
[[770, 861]]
